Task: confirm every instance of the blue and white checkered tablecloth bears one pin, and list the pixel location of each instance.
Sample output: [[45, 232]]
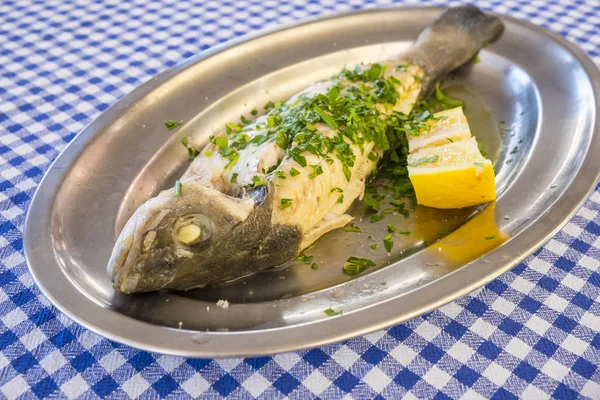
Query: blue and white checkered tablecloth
[[534, 333]]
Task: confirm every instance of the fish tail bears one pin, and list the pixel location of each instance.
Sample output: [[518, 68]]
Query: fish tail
[[450, 41]]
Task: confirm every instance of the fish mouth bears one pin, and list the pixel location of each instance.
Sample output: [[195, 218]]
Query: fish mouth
[[120, 262], [130, 242]]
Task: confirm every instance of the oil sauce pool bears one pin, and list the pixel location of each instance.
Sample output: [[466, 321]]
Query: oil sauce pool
[[428, 227]]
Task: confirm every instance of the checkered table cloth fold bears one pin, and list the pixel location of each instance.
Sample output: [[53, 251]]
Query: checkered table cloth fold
[[533, 333]]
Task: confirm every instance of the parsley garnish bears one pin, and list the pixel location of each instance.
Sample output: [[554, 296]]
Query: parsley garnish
[[233, 158], [178, 188], [374, 246], [304, 258], [256, 182], [399, 207], [171, 124], [446, 101], [232, 127], [355, 265], [336, 189], [314, 266], [280, 174], [326, 118], [254, 111], [371, 202], [192, 151], [424, 160], [481, 148], [299, 158], [391, 228], [294, 172], [285, 203], [351, 228], [490, 237], [331, 313], [388, 243], [376, 218], [442, 233], [317, 170]]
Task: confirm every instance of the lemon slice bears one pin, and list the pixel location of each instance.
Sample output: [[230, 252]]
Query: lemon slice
[[446, 127], [454, 175]]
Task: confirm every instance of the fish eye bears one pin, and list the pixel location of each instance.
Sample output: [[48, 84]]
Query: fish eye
[[193, 231]]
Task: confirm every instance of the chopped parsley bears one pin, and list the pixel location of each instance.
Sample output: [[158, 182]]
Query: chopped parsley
[[424, 160], [399, 207], [232, 127], [304, 258], [476, 59], [388, 243], [317, 170], [446, 102], [233, 159], [391, 228], [444, 232], [336, 189], [371, 202], [280, 174], [254, 111], [352, 228], [331, 313], [234, 177], [294, 172], [481, 148], [171, 124], [326, 117], [256, 182], [403, 232], [490, 237], [355, 265], [178, 188], [285, 203], [376, 218], [374, 246], [192, 151]]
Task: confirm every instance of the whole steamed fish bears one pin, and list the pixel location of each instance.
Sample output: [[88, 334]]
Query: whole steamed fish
[[257, 196]]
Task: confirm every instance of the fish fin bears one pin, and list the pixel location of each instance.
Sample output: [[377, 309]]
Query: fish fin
[[328, 223], [451, 41]]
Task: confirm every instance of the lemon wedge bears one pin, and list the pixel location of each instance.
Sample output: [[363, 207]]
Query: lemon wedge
[[446, 127], [446, 167]]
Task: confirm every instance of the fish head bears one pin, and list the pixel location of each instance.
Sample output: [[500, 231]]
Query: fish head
[[170, 237]]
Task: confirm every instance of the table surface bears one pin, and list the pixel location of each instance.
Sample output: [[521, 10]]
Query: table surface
[[533, 333]]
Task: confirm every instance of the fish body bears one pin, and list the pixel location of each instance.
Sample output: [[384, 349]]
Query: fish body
[[258, 195]]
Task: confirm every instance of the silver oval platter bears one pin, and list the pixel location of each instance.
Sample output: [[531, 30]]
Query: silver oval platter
[[532, 99]]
